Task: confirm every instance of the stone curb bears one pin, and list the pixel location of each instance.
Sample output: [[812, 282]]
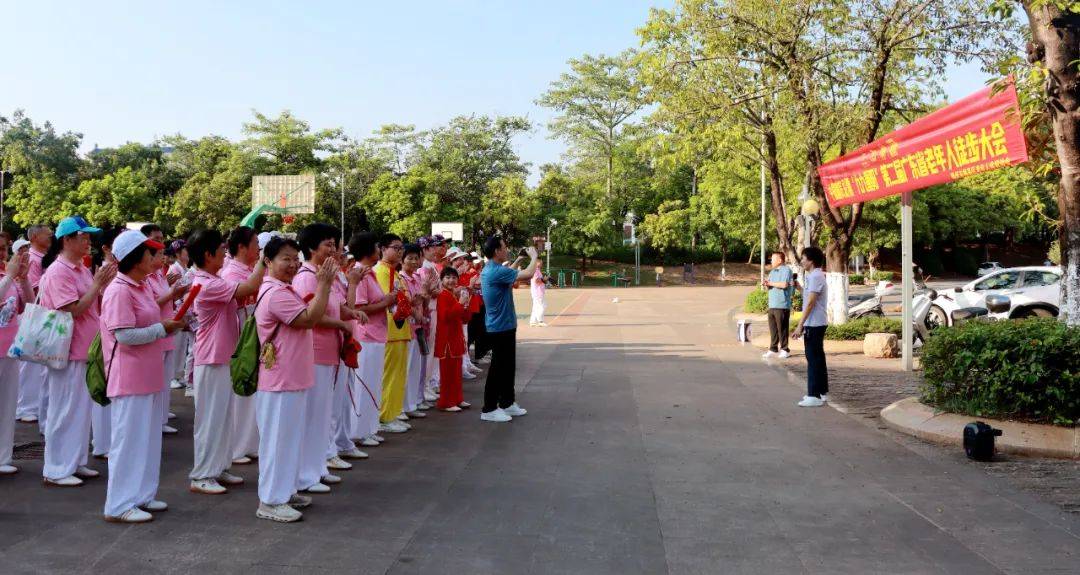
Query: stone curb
[[915, 418]]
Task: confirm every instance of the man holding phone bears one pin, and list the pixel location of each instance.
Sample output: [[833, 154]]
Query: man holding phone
[[497, 286], [780, 284]]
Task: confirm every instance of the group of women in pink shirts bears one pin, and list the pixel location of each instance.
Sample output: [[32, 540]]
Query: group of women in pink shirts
[[309, 301]]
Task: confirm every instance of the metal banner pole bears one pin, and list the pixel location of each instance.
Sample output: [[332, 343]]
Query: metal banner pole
[[908, 282]]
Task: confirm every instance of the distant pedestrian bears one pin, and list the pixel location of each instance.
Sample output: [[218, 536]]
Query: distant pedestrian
[[781, 286], [538, 286], [813, 324]]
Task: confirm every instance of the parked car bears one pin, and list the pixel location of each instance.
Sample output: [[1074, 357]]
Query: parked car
[[1033, 291], [987, 268]]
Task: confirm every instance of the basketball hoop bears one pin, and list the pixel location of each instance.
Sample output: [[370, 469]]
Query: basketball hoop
[[288, 219]]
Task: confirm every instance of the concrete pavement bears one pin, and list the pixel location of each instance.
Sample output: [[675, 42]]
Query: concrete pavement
[[655, 444]]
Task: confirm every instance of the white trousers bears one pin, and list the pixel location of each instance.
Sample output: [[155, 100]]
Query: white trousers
[[67, 434], [33, 392], [213, 420], [183, 341], [9, 396], [166, 392], [432, 382], [135, 457], [245, 434], [414, 387], [537, 310], [316, 428], [367, 390], [101, 427], [340, 408], [280, 416], [189, 365]]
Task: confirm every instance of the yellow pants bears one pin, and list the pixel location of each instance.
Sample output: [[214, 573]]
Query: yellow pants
[[395, 370]]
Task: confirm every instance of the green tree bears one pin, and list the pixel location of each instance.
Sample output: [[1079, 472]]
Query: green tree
[[38, 199], [595, 102], [114, 199]]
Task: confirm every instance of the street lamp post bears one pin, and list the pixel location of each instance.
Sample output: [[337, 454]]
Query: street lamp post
[[550, 245]]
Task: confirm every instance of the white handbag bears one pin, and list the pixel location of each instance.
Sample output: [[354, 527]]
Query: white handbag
[[44, 336]]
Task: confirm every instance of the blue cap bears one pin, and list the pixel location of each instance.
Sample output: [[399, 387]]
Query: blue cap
[[73, 224]]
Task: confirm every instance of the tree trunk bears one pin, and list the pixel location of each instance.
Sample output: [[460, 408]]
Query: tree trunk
[[1056, 36], [776, 189]]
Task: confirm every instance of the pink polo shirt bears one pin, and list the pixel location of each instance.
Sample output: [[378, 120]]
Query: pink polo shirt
[[65, 283], [294, 369], [412, 283], [134, 369], [215, 307], [159, 285], [34, 272], [368, 291], [327, 340], [7, 333]]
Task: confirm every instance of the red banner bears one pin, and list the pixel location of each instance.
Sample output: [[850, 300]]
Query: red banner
[[978, 134]]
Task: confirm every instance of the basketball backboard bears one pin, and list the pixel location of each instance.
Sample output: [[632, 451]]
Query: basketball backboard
[[453, 231], [293, 194]]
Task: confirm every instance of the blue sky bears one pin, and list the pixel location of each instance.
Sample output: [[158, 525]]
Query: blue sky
[[132, 71]]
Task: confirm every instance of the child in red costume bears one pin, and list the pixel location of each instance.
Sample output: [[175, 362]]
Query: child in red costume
[[453, 312]]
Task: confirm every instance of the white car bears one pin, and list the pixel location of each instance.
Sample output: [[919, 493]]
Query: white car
[[1034, 291], [987, 268]]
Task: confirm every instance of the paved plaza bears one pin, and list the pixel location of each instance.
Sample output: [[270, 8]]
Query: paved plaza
[[654, 444]]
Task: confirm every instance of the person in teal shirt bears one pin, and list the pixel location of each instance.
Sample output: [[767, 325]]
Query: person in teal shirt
[[781, 286]]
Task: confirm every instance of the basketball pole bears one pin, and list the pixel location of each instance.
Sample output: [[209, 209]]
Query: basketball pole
[[341, 184]]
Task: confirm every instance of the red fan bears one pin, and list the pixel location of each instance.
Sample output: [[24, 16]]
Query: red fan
[[350, 352], [184, 307], [403, 309]]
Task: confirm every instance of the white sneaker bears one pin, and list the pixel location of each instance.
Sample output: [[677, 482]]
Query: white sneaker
[[338, 464], [825, 397], [283, 513], [453, 409], [28, 419], [155, 506], [406, 426], [168, 430], [402, 417], [378, 438], [392, 427], [318, 488], [298, 501], [330, 479], [175, 384], [468, 375], [230, 479], [768, 354], [497, 416], [354, 453], [244, 460], [431, 396], [369, 442], [172, 415], [207, 487], [189, 392], [133, 515], [784, 354], [85, 472], [464, 405], [69, 481], [8, 469], [515, 410], [416, 414], [424, 406], [810, 401]]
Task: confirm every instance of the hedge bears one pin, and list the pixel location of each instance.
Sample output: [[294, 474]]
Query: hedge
[[1020, 369], [857, 329], [856, 279], [757, 301], [878, 276]]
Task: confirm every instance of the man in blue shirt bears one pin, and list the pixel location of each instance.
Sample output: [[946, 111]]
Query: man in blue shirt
[[497, 287], [781, 286]]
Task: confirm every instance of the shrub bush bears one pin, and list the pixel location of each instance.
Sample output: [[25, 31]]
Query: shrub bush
[[757, 301], [856, 279], [878, 276], [1028, 369], [857, 329]]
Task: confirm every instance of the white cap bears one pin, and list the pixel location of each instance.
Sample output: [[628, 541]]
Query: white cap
[[19, 243], [127, 241], [453, 253], [475, 255], [264, 238]]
